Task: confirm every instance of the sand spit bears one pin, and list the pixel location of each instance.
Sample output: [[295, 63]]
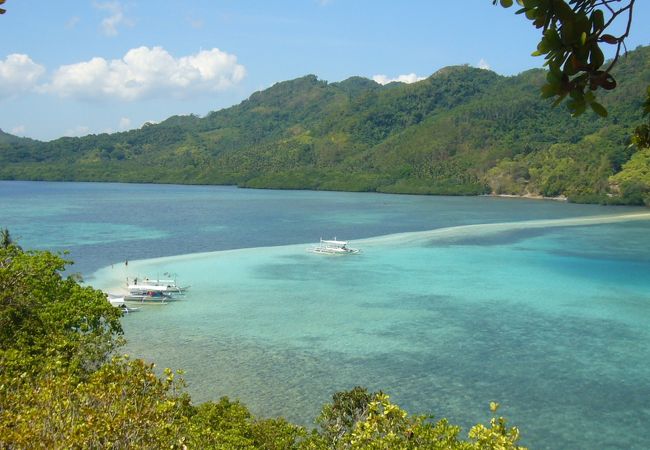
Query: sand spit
[[115, 275], [418, 237]]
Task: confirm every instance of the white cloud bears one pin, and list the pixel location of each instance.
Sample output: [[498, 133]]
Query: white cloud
[[72, 22], [125, 123], [115, 19], [197, 24], [149, 122], [18, 130], [409, 78], [483, 64], [79, 130], [147, 72], [18, 73]]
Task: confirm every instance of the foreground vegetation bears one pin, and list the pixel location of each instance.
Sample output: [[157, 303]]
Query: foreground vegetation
[[462, 131], [62, 387]]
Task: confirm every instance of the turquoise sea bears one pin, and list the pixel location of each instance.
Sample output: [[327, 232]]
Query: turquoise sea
[[453, 303]]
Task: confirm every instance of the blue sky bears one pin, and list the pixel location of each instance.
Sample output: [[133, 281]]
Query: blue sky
[[72, 68]]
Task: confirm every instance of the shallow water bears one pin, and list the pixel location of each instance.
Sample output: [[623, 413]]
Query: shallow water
[[528, 303]]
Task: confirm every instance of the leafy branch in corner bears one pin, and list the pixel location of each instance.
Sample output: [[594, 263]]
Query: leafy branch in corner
[[572, 34]]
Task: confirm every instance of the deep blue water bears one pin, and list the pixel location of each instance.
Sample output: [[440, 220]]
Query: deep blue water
[[534, 305], [102, 223]]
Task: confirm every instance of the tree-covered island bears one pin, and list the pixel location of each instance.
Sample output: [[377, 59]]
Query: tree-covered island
[[462, 131]]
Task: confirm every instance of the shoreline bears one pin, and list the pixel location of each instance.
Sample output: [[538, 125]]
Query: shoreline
[[559, 198], [528, 196]]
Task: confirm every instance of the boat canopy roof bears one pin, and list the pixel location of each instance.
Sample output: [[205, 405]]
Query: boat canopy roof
[[333, 242], [153, 280], [116, 301], [148, 287]]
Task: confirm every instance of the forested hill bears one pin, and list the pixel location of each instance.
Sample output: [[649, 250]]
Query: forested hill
[[461, 131]]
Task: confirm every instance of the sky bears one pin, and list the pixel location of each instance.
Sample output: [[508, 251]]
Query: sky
[[78, 67]]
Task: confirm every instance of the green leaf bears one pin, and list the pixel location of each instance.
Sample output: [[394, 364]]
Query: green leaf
[[577, 95], [577, 107], [549, 91], [568, 33], [506, 3], [609, 39], [563, 11], [553, 77], [598, 19], [552, 38], [598, 109], [543, 46], [596, 57]]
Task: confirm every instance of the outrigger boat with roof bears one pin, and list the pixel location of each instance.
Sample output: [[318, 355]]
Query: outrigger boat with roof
[[142, 286], [333, 247], [148, 297], [139, 289], [170, 283]]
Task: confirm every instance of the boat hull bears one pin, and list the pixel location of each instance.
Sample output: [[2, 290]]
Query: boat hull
[[334, 251]]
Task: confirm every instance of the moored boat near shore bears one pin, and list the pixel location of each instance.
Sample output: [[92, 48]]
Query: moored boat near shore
[[120, 302], [146, 290], [161, 285], [148, 297]]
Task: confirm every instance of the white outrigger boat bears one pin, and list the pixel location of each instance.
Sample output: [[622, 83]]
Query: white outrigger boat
[[146, 291], [169, 283], [139, 289], [119, 302], [148, 297], [146, 285], [333, 247]]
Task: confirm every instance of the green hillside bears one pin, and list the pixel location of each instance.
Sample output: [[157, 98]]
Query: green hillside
[[461, 131]]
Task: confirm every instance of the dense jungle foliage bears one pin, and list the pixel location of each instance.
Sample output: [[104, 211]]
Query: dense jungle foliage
[[462, 131], [62, 386]]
